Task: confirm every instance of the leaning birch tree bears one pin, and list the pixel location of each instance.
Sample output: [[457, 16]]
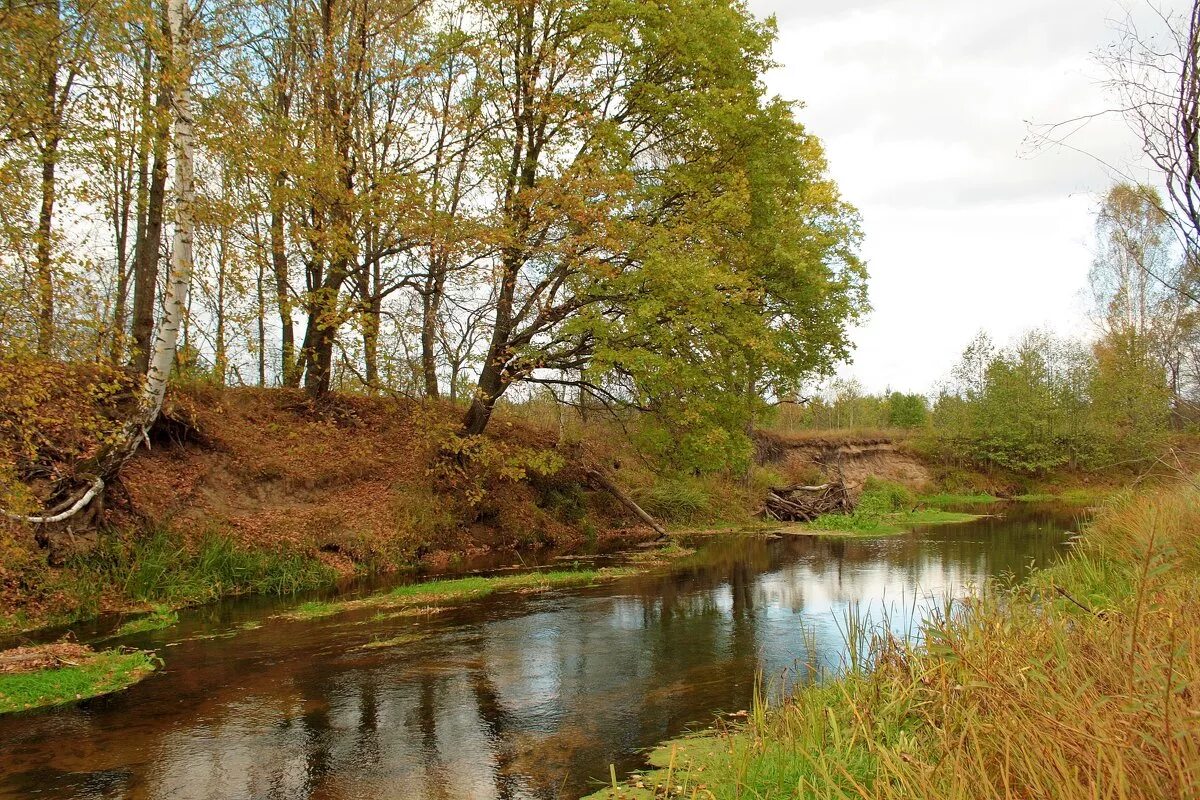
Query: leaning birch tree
[[162, 357]]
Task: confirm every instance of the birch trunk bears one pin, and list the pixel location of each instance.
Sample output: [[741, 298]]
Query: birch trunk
[[162, 356]]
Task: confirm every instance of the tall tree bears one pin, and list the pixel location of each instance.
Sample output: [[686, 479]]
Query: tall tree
[[1157, 80]]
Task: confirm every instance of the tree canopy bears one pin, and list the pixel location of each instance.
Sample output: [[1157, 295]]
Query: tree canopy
[[431, 199]]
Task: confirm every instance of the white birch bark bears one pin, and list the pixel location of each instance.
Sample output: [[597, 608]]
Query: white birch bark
[[174, 305], [166, 340]]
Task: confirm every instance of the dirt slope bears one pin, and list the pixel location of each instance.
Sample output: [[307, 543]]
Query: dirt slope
[[854, 459]]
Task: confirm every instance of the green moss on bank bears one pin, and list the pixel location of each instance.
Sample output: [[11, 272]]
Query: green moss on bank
[[104, 673], [458, 590]]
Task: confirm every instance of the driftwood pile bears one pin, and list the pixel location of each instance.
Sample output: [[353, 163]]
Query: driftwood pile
[[805, 503]]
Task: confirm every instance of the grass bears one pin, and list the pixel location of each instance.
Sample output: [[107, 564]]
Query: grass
[[1076, 685], [159, 618], [457, 590], [883, 509], [106, 672], [886, 524], [951, 499], [159, 568]]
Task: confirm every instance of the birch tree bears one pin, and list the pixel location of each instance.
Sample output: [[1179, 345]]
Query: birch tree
[[166, 339]]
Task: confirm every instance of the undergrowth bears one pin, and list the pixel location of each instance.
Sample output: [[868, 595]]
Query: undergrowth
[[159, 568], [884, 508]]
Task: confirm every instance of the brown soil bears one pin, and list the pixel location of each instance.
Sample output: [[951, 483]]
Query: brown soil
[[354, 480], [362, 484], [852, 459]]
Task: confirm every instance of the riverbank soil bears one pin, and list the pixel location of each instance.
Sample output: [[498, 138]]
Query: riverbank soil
[[259, 490]]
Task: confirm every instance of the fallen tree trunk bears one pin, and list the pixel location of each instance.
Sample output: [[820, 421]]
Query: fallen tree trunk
[[799, 503], [602, 481]]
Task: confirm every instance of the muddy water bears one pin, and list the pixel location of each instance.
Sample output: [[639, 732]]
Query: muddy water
[[514, 697]]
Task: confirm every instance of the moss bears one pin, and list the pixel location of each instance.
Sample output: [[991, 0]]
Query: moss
[[106, 672], [395, 641]]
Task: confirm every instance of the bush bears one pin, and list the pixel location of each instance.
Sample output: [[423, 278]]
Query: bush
[[675, 500], [880, 498]]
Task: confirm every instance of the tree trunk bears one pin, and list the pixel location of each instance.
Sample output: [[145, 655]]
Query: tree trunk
[[279, 265], [319, 338], [149, 239], [45, 254], [491, 379], [262, 324], [430, 302], [370, 335], [162, 357], [121, 239], [179, 280]]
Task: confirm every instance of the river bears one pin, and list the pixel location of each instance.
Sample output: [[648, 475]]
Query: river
[[510, 697]]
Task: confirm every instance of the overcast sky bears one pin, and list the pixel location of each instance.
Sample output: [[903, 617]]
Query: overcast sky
[[923, 107]]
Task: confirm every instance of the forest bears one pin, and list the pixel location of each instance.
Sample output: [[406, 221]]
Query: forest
[[388, 380], [422, 199]]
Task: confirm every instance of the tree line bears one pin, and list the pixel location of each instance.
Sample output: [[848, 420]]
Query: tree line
[[440, 199], [1046, 401]]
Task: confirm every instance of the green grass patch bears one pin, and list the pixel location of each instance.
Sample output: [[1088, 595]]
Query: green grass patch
[[886, 524], [158, 619], [458, 590], [676, 500], [951, 499], [884, 509], [106, 672], [1079, 496], [161, 569]]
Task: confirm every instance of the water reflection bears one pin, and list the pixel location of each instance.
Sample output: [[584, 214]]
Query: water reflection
[[517, 698]]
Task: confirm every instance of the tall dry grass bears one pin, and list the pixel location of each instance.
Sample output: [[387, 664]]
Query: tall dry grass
[[1083, 684]]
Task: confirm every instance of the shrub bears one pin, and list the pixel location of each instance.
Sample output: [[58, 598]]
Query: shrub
[[676, 499]]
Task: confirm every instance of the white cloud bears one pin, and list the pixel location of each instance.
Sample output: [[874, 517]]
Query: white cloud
[[924, 108]]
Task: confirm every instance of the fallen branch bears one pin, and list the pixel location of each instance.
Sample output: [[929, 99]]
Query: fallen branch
[[799, 503], [602, 481]]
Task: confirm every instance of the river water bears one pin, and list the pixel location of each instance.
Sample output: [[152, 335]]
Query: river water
[[511, 697]]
